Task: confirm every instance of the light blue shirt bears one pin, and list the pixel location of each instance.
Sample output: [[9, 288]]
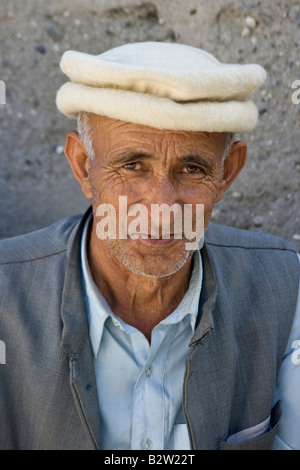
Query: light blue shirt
[[288, 390], [140, 385]]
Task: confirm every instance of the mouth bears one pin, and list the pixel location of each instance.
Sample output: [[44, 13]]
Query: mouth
[[156, 242]]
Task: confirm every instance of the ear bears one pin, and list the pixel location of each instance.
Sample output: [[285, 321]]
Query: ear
[[233, 164], [79, 161]]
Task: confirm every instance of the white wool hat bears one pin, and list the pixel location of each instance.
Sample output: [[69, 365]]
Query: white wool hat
[[162, 85]]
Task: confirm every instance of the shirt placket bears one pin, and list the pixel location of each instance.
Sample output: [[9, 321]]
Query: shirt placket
[[148, 397]]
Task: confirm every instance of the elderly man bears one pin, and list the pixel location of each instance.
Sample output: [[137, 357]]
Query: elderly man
[[118, 339]]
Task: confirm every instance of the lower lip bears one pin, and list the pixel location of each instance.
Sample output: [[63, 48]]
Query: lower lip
[[147, 240]]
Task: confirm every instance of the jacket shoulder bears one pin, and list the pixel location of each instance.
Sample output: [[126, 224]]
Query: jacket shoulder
[[38, 244], [221, 235]]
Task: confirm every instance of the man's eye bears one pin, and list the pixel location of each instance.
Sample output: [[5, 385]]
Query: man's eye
[[132, 166], [191, 169]]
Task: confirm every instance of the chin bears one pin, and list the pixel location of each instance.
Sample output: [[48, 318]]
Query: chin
[[152, 263]]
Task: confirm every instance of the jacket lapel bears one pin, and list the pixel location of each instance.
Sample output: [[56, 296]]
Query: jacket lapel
[[76, 341], [207, 301]]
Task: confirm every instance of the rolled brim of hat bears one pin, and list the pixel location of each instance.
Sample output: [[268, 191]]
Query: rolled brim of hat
[[162, 85], [160, 113]]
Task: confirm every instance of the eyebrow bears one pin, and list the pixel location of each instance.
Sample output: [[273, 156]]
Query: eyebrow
[[132, 156], [129, 157], [196, 159]]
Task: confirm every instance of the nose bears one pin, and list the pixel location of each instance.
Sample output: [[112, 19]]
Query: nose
[[161, 191], [164, 206]]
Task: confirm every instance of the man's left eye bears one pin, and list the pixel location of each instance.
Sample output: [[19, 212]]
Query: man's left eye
[[191, 169], [132, 166]]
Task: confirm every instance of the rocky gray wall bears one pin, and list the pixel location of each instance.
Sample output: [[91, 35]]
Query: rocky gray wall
[[37, 186]]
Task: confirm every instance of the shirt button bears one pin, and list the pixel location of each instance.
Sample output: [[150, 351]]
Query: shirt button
[[148, 371], [147, 444]]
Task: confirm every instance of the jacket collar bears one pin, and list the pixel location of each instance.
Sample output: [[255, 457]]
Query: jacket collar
[[207, 300], [73, 311]]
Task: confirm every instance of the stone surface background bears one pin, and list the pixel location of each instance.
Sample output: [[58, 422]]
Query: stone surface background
[[36, 184]]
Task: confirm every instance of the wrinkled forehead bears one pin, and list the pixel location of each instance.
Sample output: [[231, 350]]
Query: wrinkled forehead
[[116, 135]]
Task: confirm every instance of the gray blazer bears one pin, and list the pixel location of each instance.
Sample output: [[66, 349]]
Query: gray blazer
[[48, 392]]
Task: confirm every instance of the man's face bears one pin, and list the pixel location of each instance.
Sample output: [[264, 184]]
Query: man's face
[[151, 166]]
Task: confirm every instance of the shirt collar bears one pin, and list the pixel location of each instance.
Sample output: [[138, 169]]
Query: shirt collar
[[98, 309]]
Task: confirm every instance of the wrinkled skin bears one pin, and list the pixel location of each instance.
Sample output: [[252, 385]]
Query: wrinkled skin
[[149, 166]]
